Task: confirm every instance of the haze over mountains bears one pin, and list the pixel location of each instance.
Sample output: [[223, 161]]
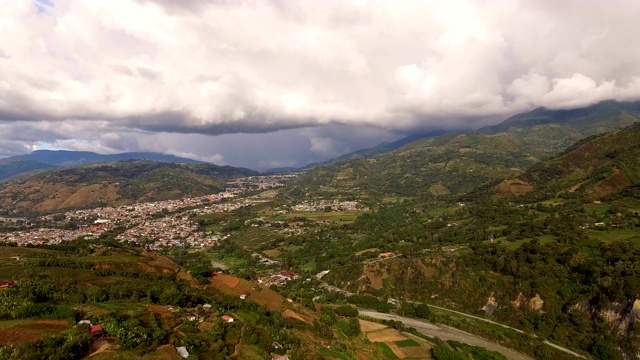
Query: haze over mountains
[[459, 162], [425, 165]]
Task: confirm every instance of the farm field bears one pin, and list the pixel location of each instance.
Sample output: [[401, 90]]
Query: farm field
[[394, 344], [609, 236], [13, 332]]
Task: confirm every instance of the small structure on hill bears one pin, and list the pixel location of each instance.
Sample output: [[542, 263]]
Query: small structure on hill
[[7, 284], [97, 331], [227, 318], [182, 351]]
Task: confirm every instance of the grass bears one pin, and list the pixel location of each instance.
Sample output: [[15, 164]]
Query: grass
[[6, 252], [386, 350], [335, 216], [112, 306], [165, 352], [247, 317], [310, 266], [407, 343], [252, 237], [328, 353], [512, 245], [599, 209], [608, 236], [441, 210], [230, 261], [14, 271], [248, 352]]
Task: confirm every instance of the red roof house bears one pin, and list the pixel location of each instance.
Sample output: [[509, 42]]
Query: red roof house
[[97, 330]]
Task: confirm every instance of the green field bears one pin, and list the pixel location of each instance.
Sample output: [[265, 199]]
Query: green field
[[512, 245], [406, 343], [386, 350], [334, 216], [608, 236], [598, 209]]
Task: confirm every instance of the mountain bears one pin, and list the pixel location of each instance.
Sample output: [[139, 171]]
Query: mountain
[[12, 168], [381, 148], [458, 163], [588, 119], [114, 183], [596, 167], [44, 159]]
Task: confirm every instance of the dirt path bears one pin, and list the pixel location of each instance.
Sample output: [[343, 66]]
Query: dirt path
[[99, 346], [448, 333]]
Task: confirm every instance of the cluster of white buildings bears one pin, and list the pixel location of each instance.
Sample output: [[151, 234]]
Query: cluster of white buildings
[[161, 223], [321, 205]]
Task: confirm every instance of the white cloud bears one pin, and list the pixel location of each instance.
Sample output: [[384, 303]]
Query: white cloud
[[142, 66]]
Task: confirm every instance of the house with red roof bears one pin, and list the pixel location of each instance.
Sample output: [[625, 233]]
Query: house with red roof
[[97, 330]]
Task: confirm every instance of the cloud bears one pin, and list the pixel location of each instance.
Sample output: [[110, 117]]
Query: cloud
[[142, 68]]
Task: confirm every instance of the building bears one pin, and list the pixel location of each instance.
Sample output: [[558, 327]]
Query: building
[[227, 318], [97, 330], [182, 351], [6, 284]]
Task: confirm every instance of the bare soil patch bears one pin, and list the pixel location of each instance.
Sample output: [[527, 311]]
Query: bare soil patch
[[99, 346], [234, 286], [514, 187], [370, 271], [416, 352], [575, 187], [385, 335], [226, 280], [366, 251], [272, 253], [367, 326], [293, 315], [14, 332], [612, 184]]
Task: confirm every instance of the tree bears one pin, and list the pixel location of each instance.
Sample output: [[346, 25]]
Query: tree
[[353, 328]]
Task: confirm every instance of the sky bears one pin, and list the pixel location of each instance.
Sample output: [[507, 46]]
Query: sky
[[266, 84]]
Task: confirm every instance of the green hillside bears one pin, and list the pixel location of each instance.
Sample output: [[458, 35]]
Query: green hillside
[[113, 184], [459, 163], [594, 168]]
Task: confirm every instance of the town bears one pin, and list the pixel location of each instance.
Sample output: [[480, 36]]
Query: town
[[156, 224]]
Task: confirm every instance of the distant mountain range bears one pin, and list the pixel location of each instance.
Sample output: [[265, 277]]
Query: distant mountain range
[[459, 163], [44, 159], [576, 123]]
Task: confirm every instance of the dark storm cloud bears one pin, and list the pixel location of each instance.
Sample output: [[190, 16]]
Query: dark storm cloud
[[106, 75]]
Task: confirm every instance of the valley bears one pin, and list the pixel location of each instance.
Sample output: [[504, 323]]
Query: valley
[[483, 245]]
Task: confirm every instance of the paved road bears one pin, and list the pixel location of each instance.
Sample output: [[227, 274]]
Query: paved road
[[448, 333], [479, 318], [511, 328], [433, 331]]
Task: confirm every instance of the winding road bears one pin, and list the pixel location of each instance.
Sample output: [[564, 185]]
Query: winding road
[[447, 333]]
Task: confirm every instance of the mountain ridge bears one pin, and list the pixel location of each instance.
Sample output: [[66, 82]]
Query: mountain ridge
[[114, 183], [45, 159]]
